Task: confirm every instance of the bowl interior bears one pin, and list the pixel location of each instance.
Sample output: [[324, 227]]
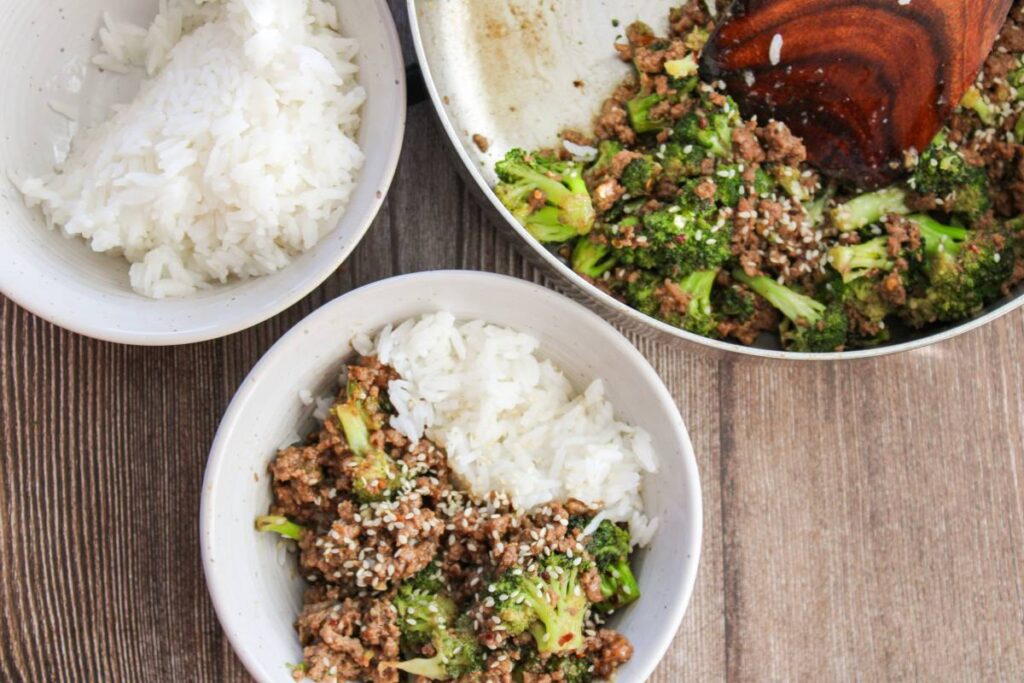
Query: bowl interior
[[252, 578], [47, 47], [564, 50]]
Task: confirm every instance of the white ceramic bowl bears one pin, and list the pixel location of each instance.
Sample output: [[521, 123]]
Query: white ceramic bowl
[[44, 46], [254, 585]]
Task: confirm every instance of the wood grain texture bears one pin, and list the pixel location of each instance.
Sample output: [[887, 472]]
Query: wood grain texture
[[862, 522], [861, 81]]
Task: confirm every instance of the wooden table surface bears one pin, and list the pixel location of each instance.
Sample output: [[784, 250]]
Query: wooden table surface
[[863, 521]]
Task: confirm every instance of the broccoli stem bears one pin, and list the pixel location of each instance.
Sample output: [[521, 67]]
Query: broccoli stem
[[279, 525], [546, 226], [356, 432], [560, 628], [853, 261], [975, 101], [795, 306], [432, 668], [937, 236], [869, 208]]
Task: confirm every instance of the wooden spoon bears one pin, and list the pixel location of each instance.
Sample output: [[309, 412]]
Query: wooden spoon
[[861, 81]]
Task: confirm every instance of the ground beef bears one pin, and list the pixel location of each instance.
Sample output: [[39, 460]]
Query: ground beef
[[775, 237], [347, 640], [745, 141], [781, 145], [608, 651]]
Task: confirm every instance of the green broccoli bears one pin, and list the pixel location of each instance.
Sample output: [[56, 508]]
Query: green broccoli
[[610, 546], [457, 653], [548, 602], [728, 185], [679, 161], [869, 208], [592, 259], [375, 474], [422, 605], [863, 301], [639, 176], [942, 171], [700, 317], [857, 260], [764, 184], [641, 292], [640, 117], [281, 526], [710, 127], [606, 152], [526, 181], [976, 102], [965, 269], [569, 668], [789, 179], [811, 326], [680, 239]]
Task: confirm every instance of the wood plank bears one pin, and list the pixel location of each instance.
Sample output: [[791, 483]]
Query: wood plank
[[872, 515]]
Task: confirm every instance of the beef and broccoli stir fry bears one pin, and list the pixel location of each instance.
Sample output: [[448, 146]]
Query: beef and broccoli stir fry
[[411, 578], [716, 224]]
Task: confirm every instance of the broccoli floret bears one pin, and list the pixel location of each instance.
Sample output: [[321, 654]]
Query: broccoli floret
[[976, 102], [700, 316], [639, 175], [710, 127], [788, 178], [568, 668], [610, 546], [592, 259], [422, 605], [857, 260], [549, 197], [812, 326], [458, 653], [764, 184], [942, 171], [281, 526], [735, 303], [679, 161], [548, 602], [728, 185], [375, 474], [869, 208], [640, 117], [641, 293], [965, 269], [862, 298], [680, 239]]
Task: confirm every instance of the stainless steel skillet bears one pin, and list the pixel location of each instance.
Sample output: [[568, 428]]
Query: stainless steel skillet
[[517, 72]]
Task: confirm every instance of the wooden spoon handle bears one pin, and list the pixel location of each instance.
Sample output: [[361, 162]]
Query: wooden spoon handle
[[860, 80]]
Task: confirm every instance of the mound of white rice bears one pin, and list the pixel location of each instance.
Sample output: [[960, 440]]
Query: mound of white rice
[[510, 420], [235, 156]]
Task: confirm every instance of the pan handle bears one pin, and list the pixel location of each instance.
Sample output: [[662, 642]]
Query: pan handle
[[415, 87]]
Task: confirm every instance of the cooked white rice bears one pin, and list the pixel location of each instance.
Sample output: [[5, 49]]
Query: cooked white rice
[[510, 420], [237, 154]]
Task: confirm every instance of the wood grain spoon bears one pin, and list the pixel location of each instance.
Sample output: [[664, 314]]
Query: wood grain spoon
[[861, 81]]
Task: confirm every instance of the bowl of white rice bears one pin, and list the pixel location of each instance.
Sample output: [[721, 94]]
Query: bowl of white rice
[[173, 171], [529, 393]]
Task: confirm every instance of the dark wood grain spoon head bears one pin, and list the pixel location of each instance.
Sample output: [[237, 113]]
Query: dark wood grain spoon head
[[861, 81]]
